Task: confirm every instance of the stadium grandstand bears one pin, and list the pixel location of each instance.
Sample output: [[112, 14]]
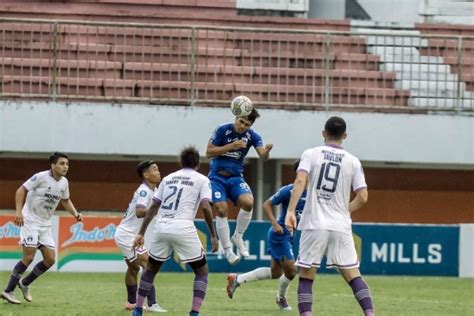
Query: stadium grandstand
[[115, 82]]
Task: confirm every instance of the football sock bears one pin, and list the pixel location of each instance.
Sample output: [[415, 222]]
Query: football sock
[[199, 291], [284, 282], [254, 275], [132, 293], [305, 296], [362, 294], [151, 297], [146, 282], [223, 232], [243, 221], [15, 277], [38, 270]]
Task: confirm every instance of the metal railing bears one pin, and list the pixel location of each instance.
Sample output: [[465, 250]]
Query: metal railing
[[203, 65]]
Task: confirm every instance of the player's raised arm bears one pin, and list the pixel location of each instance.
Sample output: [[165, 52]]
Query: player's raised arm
[[264, 152], [214, 151]]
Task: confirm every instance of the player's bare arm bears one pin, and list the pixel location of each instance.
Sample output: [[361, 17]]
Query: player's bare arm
[[267, 208], [150, 213], [298, 188], [264, 152], [362, 196], [140, 212], [214, 151], [205, 207], [67, 204], [20, 197]]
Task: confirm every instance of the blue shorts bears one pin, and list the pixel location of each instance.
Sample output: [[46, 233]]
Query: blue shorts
[[280, 245], [224, 188]]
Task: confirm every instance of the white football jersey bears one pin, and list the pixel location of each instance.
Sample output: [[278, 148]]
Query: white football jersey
[[180, 194], [332, 172], [142, 197], [42, 199]]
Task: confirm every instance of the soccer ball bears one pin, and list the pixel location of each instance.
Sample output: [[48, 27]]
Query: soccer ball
[[241, 106]]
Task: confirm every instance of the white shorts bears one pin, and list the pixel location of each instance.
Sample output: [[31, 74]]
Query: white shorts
[[186, 245], [124, 241], [338, 248], [36, 236]]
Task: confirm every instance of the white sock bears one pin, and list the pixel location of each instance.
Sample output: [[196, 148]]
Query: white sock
[[243, 221], [254, 275], [223, 232], [284, 283]]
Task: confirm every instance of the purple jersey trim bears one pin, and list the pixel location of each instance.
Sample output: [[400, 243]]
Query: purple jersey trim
[[360, 189], [205, 199], [140, 205], [303, 170], [333, 145], [156, 200], [25, 188]]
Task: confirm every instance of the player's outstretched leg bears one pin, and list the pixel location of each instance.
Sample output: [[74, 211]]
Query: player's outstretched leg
[[234, 280], [232, 284]]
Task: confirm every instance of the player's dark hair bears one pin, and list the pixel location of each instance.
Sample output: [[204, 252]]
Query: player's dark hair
[[143, 166], [56, 155], [253, 115], [189, 157], [335, 127], [295, 164]]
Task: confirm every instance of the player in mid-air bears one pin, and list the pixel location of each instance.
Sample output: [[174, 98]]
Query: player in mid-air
[[280, 248], [128, 228], [178, 198], [35, 202], [328, 172], [227, 148]]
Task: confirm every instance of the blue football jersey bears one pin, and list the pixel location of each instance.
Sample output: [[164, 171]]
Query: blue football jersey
[[232, 161], [283, 197]]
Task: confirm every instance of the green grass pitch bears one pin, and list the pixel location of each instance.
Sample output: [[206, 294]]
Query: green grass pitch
[[104, 294]]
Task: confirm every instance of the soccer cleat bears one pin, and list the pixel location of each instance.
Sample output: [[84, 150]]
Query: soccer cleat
[[26, 291], [10, 297], [240, 244], [129, 306], [155, 308], [232, 284], [137, 311], [282, 303], [232, 258], [193, 314]]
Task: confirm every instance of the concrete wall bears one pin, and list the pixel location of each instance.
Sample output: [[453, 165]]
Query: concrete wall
[[143, 130]]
